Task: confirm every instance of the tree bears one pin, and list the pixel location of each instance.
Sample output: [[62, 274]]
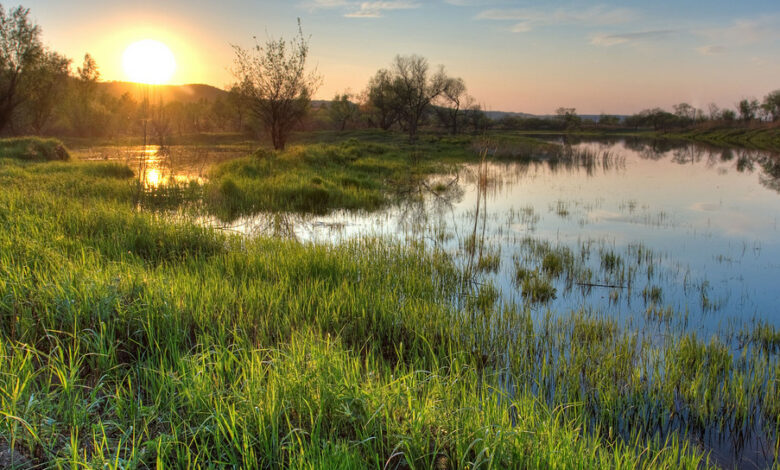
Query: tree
[[20, 53], [771, 105], [381, 100], [415, 89], [685, 112], [238, 107], [569, 117], [452, 99], [274, 81], [475, 117], [342, 110], [728, 115], [714, 112], [608, 120], [747, 109], [45, 89], [82, 106]]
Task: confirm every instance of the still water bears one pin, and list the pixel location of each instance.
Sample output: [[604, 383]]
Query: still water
[[157, 166], [658, 235], [679, 233]]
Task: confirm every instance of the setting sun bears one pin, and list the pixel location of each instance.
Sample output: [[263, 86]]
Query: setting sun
[[149, 61]]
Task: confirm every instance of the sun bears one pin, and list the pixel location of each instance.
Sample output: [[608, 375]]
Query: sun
[[149, 61]]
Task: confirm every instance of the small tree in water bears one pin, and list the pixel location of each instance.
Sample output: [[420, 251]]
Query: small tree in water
[[274, 82]]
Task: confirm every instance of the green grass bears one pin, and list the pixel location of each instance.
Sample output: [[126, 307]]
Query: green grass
[[130, 339], [33, 149], [761, 138], [318, 178]]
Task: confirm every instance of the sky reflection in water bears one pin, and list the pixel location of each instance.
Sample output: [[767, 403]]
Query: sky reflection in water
[[705, 222]]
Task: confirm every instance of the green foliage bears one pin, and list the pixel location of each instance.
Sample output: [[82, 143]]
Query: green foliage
[[33, 149], [319, 178]]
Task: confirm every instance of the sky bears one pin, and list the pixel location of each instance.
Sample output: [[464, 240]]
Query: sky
[[533, 57]]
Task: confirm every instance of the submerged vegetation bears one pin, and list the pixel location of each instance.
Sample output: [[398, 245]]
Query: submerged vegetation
[[132, 339]]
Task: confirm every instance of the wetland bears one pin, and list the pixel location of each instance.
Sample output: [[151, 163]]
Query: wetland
[[464, 302]]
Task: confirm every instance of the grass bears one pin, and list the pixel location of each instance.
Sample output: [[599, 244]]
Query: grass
[[33, 149], [761, 138], [129, 339], [318, 178]]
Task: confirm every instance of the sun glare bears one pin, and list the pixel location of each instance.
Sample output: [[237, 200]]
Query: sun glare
[[148, 61]]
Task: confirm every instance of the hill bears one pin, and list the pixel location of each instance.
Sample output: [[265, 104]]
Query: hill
[[168, 93]]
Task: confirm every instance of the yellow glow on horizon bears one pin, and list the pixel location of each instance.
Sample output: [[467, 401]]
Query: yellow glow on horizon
[[149, 61]]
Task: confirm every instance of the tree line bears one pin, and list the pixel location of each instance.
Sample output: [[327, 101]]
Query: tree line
[[40, 93], [407, 95]]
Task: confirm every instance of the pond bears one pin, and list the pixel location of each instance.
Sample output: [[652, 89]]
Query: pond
[[665, 237], [158, 166], [644, 231]]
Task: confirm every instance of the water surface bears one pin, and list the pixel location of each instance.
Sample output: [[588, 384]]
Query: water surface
[[682, 233]]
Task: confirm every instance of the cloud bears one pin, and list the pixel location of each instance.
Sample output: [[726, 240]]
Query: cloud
[[375, 9], [313, 5], [464, 3], [608, 40], [747, 30], [522, 27], [711, 50], [529, 18], [353, 9]]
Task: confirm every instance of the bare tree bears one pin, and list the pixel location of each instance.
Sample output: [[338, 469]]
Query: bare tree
[[20, 52], [415, 89], [714, 111], [451, 103], [274, 81]]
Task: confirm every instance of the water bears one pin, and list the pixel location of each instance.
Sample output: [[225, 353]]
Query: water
[[158, 166], [658, 235], [684, 233]]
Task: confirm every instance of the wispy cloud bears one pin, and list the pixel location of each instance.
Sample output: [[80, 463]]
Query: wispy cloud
[[711, 50], [313, 5], [375, 9], [352, 9], [607, 40], [747, 30], [529, 18]]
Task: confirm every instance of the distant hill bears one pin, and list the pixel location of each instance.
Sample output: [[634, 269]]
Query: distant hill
[[168, 93], [196, 92], [496, 115]]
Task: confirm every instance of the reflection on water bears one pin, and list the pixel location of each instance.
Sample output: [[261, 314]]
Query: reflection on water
[[655, 234], [158, 166], [696, 226]]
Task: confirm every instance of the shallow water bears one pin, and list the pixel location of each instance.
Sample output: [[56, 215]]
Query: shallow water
[[661, 236], [157, 166], [684, 234]]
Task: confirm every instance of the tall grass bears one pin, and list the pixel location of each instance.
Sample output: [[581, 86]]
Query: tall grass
[[128, 340], [33, 149]]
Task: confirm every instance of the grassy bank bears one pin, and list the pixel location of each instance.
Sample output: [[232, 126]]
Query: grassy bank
[[128, 340], [33, 149], [761, 138], [316, 178], [756, 138]]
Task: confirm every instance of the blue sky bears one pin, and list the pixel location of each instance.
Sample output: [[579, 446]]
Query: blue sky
[[615, 57]]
